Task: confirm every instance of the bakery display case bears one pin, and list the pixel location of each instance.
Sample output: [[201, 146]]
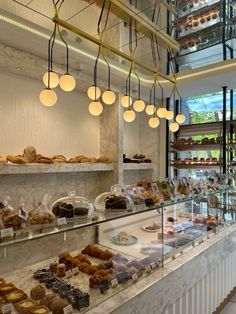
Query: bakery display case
[[147, 225]]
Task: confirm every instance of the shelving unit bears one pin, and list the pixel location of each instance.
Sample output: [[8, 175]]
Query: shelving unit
[[136, 166], [54, 168]]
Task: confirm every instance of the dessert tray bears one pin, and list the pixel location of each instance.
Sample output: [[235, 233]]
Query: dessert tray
[[131, 240]]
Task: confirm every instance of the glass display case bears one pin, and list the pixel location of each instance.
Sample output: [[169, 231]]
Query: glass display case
[[126, 246]]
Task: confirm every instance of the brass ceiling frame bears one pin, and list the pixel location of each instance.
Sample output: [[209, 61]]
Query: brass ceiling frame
[[108, 47], [123, 10]]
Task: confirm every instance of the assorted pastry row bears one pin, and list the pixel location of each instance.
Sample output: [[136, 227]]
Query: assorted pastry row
[[187, 7], [195, 161], [137, 158], [30, 156], [189, 141]]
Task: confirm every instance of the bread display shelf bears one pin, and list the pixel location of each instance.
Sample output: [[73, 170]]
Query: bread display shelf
[[199, 31], [54, 168], [195, 166], [201, 128], [137, 166], [195, 147], [200, 10]]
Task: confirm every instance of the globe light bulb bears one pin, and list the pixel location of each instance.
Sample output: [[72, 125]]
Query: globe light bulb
[[174, 127], [161, 112], [180, 118], [54, 79], [150, 109], [95, 108], [67, 82], [139, 105], [48, 97], [126, 101], [129, 115], [109, 97], [93, 92], [154, 122], [169, 115]]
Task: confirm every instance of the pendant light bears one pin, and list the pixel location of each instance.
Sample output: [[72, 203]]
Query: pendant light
[[180, 118], [95, 108], [154, 122], [150, 109], [169, 115], [129, 115], [161, 111], [108, 96], [67, 81], [48, 96], [139, 104], [174, 127]]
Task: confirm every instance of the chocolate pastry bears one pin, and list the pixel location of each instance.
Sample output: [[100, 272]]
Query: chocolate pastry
[[37, 293], [81, 211], [25, 306], [115, 202], [66, 210], [171, 219], [61, 270], [15, 296], [95, 251], [57, 305]]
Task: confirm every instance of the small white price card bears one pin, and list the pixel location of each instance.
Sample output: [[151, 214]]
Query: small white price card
[[114, 282], [23, 214], [7, 308], [68, 309], [75, 271], [135, 277], [153, 265], [7, 233], [61, 221], [148, 269], [69, 274]]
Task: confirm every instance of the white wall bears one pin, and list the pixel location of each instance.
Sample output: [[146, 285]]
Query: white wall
[[67, 128], [132, 137]]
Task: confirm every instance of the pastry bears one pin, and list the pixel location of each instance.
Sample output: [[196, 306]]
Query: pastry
[[7, 288], [2, 160], [153, 227], [103, 159], [93, 160], [44, 160], [115, 202], [16, 159], [39, 309], [95, 251], [30, 154], [47, 299], [59, 158], [73, 160], [61, 270], [2, 282], [79, 158], [53, 267], [171, 219], [25, 306], [85, 160], [37, 293], [123, 236], [57, 305], [15, 296], [81, 211]]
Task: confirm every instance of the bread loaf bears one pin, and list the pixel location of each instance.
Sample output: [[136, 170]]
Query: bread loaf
[[30, 154], [16, 159]]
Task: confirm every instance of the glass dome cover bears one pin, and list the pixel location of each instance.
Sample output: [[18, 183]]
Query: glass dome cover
[[72, 206]]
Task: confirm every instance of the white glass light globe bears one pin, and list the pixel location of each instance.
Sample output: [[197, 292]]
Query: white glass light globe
[[150, 109], [161, 112], [129, 115], [169, 115], [95, 108], [93, 92], [180, 118], [54, 79], [174, 127], [126, 101], [67, 82], [48, 97], [139, 105], [109, 97], [154, 122]]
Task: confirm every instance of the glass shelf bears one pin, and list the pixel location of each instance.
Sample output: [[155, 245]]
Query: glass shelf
[[98, 218]]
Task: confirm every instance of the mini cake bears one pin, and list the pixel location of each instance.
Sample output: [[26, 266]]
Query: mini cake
[[61, 270], [115, 202], [37, 293]]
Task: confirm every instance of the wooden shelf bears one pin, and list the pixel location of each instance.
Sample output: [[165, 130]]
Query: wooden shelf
[[200, 129], [136, 166], [54, 168], [196, 147], [196, 166]]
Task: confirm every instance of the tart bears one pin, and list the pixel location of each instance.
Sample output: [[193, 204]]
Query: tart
[[25, 306]]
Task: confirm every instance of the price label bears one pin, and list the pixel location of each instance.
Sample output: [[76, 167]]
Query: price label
[[114, 282], [148, 269], [7, 308], [61, 221], [153, 265], [68, 309], [75, 271], [23, 214], [7, 233], [135, 277], [69, 274]]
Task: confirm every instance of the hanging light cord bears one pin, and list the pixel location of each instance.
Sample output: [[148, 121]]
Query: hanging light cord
[[50, 51]]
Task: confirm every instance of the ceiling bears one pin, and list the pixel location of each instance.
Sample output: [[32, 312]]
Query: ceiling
[[33, 27]]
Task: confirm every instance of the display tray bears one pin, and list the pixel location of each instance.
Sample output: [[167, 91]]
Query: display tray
[[23, 279], [195, 147]]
